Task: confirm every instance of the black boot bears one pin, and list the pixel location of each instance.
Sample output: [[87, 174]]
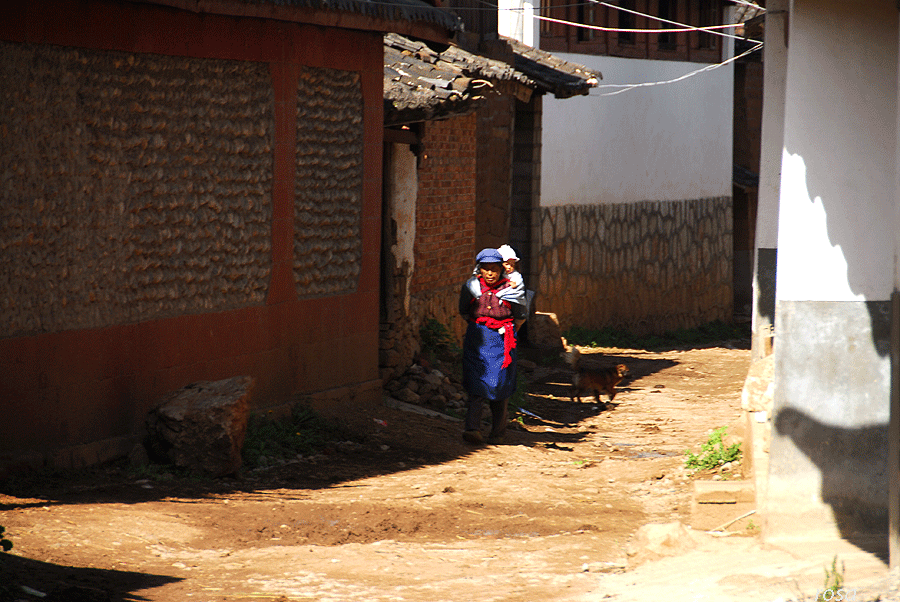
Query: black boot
[[499, 420]]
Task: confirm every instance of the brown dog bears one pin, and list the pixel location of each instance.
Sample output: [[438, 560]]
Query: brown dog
[[587, 381], [594, 381]]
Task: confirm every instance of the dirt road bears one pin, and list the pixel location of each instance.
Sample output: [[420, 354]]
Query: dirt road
[[406, 511]]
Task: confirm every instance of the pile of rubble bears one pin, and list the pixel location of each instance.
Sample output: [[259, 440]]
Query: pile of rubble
[[429, 387]]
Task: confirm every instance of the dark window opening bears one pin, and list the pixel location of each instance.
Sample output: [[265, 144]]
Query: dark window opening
[[585, 15], [626, 21], [707, 17], [668, 10]]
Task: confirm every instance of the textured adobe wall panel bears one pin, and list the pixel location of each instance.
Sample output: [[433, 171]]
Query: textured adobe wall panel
[[134, 187], [328, 208]]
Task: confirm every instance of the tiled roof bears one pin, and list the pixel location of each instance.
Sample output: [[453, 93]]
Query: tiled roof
[[552, 74], [422, 82]]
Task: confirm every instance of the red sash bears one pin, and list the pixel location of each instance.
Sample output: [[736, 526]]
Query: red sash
[[509, 339]]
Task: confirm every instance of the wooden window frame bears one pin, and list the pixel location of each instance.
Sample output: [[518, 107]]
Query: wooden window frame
[[687, 46], [633, 46]]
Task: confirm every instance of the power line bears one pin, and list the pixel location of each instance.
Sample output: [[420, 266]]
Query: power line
[[685, 27], [706, 28], [682, 27], [627, 87]]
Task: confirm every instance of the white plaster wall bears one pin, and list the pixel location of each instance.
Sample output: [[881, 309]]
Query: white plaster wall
[[836, 207], [402, 190], [772, 135], [660, 143], [515, 19]]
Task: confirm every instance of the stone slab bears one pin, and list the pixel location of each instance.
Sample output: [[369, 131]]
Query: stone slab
[[723, 492]]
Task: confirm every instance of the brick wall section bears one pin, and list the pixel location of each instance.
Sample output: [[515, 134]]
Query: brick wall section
[[495, 152], [526, 184], [445, 216]]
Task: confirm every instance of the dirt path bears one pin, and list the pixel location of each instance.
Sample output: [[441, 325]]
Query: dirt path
[[409, 514]]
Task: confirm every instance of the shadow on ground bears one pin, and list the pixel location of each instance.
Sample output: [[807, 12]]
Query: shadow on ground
[[373, 440], [55, 583]]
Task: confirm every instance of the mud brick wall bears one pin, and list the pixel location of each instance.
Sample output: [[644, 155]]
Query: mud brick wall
[[328, 206], [495, 159], [152, 226], [138, 187], [445, 212], [646, 267], [748, 101], [445, 220]]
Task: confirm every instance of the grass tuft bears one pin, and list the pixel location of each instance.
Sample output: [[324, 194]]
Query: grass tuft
[[302, 432], [713, 453]]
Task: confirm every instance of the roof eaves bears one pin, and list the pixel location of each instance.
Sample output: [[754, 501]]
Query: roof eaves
[[422, 82], [552, 74]]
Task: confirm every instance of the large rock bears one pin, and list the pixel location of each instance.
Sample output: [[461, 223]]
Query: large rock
[[202, 426], [655, 541]]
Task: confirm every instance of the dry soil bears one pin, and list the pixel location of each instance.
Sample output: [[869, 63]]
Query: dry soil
[[407, 511]]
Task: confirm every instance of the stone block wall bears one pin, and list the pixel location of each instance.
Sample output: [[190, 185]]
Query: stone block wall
[[646, 267]]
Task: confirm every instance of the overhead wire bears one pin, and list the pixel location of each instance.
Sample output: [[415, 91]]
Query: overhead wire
[[681, 28], [627, 87], [687, 28], [490, 6]]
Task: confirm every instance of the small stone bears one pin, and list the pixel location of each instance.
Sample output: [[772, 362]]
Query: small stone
[[138, 456], [408, 396], [433, 380]]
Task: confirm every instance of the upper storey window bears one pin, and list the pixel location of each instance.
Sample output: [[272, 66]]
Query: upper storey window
[[620, 28]]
